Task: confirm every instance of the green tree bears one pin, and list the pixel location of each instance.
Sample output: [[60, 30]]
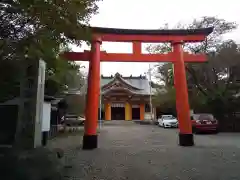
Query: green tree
[[39, 30], [212, 85], [165, 99], [62, 76], [76, 104]]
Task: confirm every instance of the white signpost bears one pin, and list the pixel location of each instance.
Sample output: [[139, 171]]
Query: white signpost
[[46, 116], [39, 103]]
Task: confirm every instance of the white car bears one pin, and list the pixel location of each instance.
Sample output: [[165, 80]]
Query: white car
[[168, 121]]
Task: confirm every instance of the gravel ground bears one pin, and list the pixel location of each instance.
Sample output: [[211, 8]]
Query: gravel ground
[[146, 152]]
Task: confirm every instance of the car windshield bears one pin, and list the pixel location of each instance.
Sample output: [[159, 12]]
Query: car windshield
[[168, 117], [204, 117]]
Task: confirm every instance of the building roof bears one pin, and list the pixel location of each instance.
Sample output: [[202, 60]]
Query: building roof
[[140, 83], [137, 82]]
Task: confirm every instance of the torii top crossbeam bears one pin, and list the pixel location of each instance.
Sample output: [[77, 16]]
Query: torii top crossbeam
[[137, 37], [148, 36]]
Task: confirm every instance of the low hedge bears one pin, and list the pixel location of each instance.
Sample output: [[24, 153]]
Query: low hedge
[[37, 164]]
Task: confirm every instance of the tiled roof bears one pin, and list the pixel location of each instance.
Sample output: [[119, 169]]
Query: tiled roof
[[140, 82]]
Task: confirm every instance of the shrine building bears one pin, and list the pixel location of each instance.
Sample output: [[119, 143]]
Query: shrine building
[[126, 98]]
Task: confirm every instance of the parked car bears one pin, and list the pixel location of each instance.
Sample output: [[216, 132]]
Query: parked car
[[81, 119], [74, 120], [204, 123], [168, 121]]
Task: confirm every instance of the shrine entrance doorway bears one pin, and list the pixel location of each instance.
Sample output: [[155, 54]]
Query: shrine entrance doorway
[[136, 112], [117, 111]]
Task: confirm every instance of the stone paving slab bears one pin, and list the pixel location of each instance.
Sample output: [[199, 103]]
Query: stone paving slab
[[147, 152]]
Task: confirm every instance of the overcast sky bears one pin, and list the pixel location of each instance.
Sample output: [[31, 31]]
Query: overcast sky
[[151, 14]]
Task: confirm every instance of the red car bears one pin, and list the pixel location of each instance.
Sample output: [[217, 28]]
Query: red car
[[204, 123]]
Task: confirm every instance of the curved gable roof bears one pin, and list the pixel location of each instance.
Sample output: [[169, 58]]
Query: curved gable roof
[[125, 82], [141, 84]]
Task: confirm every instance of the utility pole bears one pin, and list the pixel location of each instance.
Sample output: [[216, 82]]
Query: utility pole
[[150, 89], [149, 73], [85, 86]]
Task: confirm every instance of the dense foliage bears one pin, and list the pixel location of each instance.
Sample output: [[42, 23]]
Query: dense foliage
[[212, 85], [41, 30]]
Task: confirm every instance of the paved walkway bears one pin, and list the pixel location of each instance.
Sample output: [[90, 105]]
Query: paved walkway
[[146, 152]]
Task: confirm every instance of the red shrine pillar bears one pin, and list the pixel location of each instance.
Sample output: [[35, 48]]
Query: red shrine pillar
[[93, 93], [182, 104]]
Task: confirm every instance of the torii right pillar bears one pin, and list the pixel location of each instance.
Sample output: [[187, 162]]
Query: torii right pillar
[[182, 103]]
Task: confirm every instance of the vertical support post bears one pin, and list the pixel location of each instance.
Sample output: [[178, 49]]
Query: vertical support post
[[137, 47], [182, 104], [128, 111], [155, 113], [92, 101], [142, 111], [107, 111], [150, 89]]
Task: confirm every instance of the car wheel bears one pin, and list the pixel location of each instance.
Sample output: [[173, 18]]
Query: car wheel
[[164, 126]]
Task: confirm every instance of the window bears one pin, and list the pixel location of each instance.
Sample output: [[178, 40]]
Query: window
[[147, 108]]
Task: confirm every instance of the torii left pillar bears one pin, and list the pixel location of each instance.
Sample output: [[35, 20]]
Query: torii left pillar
[[93, 93]]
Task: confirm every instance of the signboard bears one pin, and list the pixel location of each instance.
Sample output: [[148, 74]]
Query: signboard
[[46, 116], [40, 90], [135, 106], [117, 105], [29, 134]]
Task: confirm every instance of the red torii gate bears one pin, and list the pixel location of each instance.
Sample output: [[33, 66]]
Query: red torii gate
[[177, 57]]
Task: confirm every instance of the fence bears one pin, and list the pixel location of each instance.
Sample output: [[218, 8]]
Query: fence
[[55, 130]]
